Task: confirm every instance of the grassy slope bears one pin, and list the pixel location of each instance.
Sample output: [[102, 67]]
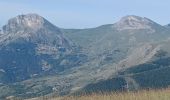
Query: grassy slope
[[163, 94]]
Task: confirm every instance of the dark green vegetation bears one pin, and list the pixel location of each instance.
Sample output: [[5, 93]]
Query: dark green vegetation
[[144, 76]]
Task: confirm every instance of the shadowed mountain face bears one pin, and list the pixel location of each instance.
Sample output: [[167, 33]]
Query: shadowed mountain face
[[38, 58], [31, 46]]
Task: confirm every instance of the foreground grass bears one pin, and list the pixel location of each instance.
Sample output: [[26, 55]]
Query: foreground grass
[[140, 95]]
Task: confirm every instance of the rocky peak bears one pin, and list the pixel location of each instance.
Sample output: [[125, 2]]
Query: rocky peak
[[133, 22], [22, 22], [32, 28]]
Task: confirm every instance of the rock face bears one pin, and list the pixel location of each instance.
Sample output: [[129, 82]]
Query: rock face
[[21, 22], [133, 22], [31, 46], [33, 28]]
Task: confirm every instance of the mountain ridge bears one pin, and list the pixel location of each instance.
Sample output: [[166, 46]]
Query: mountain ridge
[[37, 57]]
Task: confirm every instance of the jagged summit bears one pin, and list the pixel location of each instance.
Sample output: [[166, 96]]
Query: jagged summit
[[133, 22]]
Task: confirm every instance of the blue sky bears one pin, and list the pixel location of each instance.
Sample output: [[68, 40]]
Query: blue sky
[[86, 13]]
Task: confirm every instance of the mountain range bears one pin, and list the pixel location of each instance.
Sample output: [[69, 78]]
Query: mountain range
[[38, 58]]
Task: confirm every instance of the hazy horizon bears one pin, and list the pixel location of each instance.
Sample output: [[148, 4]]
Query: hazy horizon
[[86, 13]]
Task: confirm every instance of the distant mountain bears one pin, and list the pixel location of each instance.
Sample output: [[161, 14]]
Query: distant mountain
[[38, 58], [105, 38], [114, 48], [134, 22]]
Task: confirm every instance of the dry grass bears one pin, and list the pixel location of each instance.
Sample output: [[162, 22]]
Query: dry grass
[[141, 95]]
